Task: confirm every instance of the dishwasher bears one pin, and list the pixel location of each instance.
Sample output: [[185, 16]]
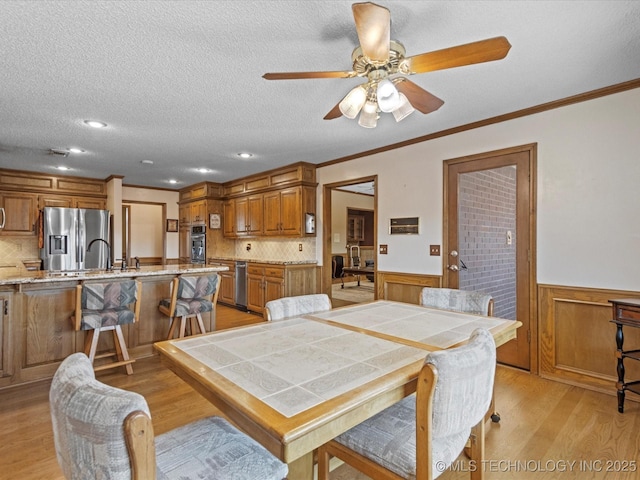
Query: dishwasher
[[241, 285]]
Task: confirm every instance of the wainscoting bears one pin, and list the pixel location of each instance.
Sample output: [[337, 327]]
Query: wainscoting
[[577, 339]]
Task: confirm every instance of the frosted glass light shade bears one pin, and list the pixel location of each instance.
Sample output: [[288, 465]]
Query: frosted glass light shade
[[404, 109], [388, 96], [351, 105], [369, 115]]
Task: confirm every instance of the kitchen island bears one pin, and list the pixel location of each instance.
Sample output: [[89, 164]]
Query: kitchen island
[[36, 333]]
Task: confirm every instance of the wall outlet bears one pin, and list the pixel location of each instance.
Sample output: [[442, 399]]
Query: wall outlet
[[299, 247], [434, 250], [248, 247]]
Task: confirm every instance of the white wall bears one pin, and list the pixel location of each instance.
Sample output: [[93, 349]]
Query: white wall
[[588, 205], [170, 199], [340, 201]]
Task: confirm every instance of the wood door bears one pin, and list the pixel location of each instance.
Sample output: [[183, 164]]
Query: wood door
[[242, 217], [255, 292], [229, 218], [272, 215], [255, 214], [290, 214], [20, 213], [55, 201], [227, 288], [490, 230]]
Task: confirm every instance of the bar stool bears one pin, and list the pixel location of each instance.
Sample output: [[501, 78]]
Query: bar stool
[[191, 296], [107, 306]]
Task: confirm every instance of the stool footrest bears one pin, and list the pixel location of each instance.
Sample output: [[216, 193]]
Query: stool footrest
[[112, 365]]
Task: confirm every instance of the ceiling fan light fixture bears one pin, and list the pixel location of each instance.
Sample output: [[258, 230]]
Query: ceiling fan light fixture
[[404, 109], [351, 105], [388, 96], [369, 115]]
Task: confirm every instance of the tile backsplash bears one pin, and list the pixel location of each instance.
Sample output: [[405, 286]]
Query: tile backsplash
[[15, 249], [277, 249]]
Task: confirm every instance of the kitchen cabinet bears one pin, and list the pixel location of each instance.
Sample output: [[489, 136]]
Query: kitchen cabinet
[[227, 292], [229, 218], [5, 365], [355, 228], [248, 215], [198, 211], [266, 282], [70, 202], [184, 244], [184, 212], [285, 210], [20, 210]]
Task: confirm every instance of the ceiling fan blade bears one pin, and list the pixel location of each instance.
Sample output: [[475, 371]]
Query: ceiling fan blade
[[373, 24], [302, 75], [334, 113], [467, 54], [419, 98]]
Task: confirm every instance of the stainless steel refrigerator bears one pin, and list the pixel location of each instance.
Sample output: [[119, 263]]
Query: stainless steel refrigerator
[[67, 234]]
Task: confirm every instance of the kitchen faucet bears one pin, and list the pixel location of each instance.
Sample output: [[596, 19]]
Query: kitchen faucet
[[109, 266]]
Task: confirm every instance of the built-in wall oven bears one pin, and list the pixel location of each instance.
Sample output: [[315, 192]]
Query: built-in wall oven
[[198, 244]]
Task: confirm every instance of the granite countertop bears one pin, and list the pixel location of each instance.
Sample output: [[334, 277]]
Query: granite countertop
[[212, 261], [45, 276]]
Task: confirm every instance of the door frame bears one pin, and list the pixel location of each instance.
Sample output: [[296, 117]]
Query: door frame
[[531, 149], [326, 228]]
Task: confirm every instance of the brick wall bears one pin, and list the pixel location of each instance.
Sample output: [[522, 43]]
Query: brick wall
[[486, 212]]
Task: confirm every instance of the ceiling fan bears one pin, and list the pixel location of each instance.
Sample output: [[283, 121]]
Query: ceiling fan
[[383, 63]]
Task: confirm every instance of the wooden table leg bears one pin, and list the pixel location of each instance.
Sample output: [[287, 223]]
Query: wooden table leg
[[302, 468]]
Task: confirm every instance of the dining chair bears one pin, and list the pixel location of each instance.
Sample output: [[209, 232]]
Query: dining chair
[[101, 307], [423, 434], [465, 301], [104, 432], [191, 296], [293, 306]]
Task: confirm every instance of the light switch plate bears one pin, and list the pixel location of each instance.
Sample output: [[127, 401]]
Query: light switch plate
[[434, 250], [383, 249]]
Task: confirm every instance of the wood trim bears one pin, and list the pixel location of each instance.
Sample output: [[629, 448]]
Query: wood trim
[[408, 285], [577, 340], [23, 181], [581, 97], [326, 227]]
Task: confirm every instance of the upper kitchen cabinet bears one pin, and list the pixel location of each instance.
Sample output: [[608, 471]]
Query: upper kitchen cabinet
[[18, 213], [285, 211], [248, 214], [23, 194], [193, 204], [271, 204]]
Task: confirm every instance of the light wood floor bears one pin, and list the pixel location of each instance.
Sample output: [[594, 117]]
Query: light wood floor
[[548, 430]]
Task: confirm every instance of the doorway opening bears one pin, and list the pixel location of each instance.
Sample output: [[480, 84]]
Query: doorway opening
[[350, 226], [489, 241]]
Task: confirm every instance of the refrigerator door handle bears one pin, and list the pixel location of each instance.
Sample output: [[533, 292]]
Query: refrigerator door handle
[[4, 217], [80, 248]]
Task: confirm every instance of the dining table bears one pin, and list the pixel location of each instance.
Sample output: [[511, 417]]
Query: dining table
[[295, 384]]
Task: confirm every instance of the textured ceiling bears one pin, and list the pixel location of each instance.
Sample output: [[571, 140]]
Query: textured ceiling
[[180, 82]]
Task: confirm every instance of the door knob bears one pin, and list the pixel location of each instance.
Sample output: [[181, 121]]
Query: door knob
[[453, 268], [454, 253]]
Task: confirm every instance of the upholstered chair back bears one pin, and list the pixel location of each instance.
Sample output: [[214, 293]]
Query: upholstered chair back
[[88, 419], [478, 303], [294, 306]]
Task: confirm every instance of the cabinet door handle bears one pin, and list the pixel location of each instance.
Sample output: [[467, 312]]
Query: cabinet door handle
[[4, 217]]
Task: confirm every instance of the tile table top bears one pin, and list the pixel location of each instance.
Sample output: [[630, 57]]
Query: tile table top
[[295, 364]]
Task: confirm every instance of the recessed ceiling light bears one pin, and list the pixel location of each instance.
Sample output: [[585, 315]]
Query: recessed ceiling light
[[245, 155], [63, 168], [203, 170], [173, 181], [76, 150], [95, 123], [147, 162]]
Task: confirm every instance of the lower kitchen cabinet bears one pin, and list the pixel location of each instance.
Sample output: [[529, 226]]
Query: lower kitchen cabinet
[[266, 282], [5, 363], [227, 292]]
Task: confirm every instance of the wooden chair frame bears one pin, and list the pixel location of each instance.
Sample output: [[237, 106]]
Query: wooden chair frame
[[424, 416], [92, 336], [195, 319]]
